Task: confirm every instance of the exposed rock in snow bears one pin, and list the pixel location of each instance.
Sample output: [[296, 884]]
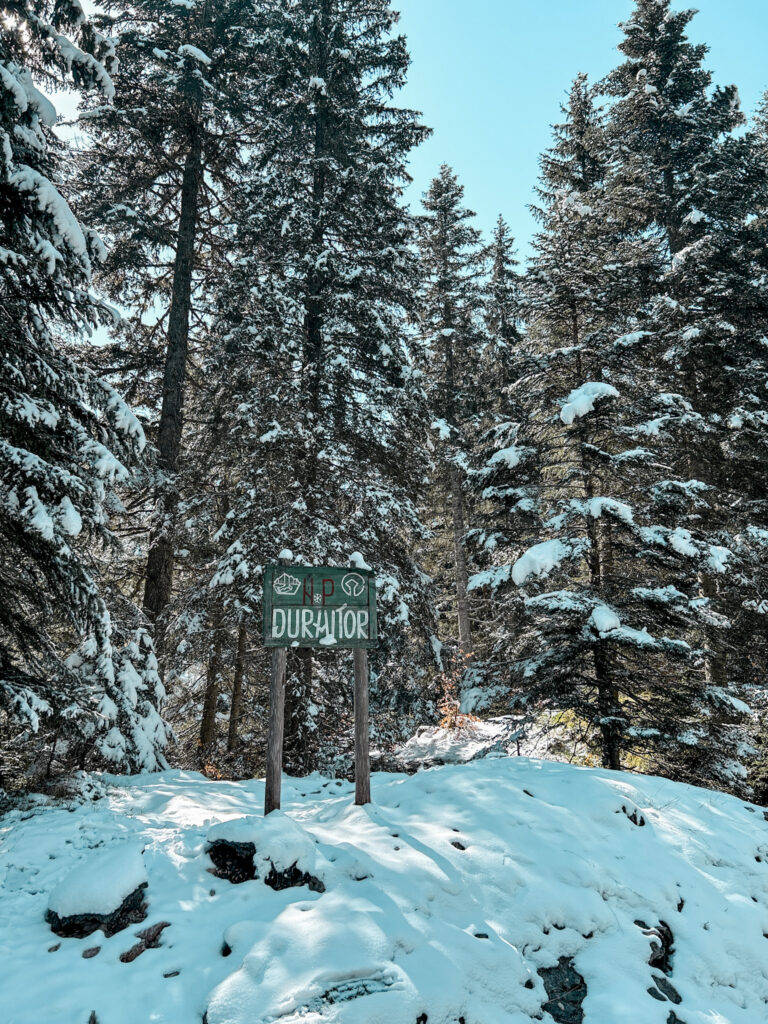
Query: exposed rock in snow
[[106, 891], [566, 991], [279, 849]]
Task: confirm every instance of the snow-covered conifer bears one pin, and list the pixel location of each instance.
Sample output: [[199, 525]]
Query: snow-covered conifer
[[323, 436], [163, 160], [608, 586], [67, 439], [682, 177], [452, 341]]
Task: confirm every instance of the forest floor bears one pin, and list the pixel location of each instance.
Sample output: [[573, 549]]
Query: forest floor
[[497, 892]]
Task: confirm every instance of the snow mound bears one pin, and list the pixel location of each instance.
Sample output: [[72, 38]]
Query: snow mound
[[454, 895], [101, 883], [493, 737], [280, 843]]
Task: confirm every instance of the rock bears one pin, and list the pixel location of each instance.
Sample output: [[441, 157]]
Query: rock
[[662, 945], [149, 939], [291, 877], [663, 949], [635, 817], [665, 985], [132, 910], [232, 860], [105, 891], [275, 847], [566, 990], [89, 953]]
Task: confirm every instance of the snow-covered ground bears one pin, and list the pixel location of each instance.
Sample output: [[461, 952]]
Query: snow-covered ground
[[442, 901]]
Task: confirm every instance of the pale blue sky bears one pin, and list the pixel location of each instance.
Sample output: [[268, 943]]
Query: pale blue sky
[[489, 76]]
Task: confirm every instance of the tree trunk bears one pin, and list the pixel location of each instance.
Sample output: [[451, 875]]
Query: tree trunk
[[607, 703], [462, 580], [212, 682], [298, 757], [159, 578], [237, 690], [299, 754]]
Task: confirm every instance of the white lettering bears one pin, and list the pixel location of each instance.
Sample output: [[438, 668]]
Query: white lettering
[[306, 623], [293, 624], [277, 633], [362, 625], [350, 624], [324, 624]]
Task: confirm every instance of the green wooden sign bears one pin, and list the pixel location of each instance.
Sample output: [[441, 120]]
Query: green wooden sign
[[319, 606]]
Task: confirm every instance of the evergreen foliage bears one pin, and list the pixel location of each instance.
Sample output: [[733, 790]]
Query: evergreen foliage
[[318, 404], [556, 471], [67, 439]]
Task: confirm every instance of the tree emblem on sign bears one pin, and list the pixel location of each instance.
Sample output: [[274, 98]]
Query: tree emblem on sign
[[353, 585], [286, 585]]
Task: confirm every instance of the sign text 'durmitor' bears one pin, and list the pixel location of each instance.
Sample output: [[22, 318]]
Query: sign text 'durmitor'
[[319, 606]]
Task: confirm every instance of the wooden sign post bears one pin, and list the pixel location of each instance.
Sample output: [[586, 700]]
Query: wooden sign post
[[325, 607]]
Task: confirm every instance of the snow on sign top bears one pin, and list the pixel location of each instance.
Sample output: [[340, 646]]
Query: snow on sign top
[[320, 606]]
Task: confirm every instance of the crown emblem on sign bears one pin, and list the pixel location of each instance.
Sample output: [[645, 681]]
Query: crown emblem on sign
[[286, 585]]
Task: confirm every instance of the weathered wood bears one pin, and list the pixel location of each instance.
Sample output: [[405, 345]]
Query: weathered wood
[[275, 739], [362, 748]]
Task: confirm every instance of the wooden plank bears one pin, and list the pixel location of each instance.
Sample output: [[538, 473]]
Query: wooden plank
[[275, 739], [362, 746]]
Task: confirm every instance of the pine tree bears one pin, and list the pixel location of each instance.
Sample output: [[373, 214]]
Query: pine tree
[[319, 403], [452, 340], [682, 176], [164, 160], [67, 439], [609, 596], [502, 307]]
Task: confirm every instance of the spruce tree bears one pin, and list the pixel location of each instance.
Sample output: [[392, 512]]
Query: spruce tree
[[451, 344], [608, 586], [318, 400], [163, 162], [67, 439], [682, 177]]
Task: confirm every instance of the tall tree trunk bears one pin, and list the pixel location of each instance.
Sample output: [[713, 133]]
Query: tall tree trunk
[[237, 689], [298, 756], [159, 577], [607, 705], [600, 563], [458, 530], [212, 684]]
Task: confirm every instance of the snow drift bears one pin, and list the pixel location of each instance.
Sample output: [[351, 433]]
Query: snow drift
[[449, 899]]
